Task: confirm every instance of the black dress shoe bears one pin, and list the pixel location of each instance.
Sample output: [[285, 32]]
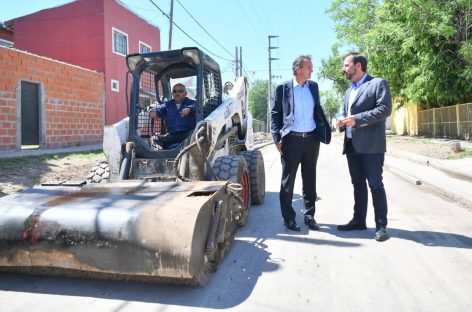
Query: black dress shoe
[[352, 225], [381, 235], [312, 225], [292, 225]]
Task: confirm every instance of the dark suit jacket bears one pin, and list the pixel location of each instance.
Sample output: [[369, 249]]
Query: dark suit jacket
[[282, 113], [372, 106]]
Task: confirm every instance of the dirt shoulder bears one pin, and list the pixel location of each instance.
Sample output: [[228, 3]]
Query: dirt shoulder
[[428, 147], [20, 173]]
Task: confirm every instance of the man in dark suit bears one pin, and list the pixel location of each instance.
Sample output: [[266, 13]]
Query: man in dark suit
[[367, 104], [298, 126]]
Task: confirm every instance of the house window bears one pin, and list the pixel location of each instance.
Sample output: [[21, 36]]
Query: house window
[[144, 48], [115, 85], [120, 42]]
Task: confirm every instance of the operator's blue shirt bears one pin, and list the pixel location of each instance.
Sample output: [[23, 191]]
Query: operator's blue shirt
[[173, 115]]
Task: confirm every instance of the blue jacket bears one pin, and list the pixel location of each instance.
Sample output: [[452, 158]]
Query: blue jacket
[[282, 113], [173, 118], [372, 105]]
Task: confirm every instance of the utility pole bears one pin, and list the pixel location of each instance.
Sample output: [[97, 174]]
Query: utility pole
[[269, 97], [236, 63], [171, 22], [240, 61]]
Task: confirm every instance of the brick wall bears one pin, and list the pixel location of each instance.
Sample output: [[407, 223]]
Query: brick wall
[[72, 101]]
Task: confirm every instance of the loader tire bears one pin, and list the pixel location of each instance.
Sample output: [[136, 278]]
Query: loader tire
[[234, 168], [255, 163], [100, 173]]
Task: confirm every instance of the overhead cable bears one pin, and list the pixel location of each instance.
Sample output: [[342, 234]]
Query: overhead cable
[[204, 29], [188, 34]]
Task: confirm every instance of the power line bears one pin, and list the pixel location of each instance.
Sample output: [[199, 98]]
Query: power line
[[255, 29], [258, 16], [227, 67], [265, 15], [168, 17], [204, 29], [247, 76]]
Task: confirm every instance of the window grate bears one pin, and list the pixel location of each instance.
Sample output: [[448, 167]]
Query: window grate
[[120, 42], [147, 100]]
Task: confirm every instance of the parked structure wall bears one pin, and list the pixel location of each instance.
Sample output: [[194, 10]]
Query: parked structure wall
[[404, 119], [138, 31], [71, 101]]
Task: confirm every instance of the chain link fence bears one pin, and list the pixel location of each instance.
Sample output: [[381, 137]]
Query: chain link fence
[[447, 122]]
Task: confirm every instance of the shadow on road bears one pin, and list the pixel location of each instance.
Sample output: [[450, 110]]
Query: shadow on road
[[426, 238], [433, 239]]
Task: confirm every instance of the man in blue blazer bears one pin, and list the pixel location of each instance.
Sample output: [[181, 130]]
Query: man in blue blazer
[[367, 104], [298, 125]]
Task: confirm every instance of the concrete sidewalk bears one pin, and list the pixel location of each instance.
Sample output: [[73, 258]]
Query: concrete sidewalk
[[460, 168]]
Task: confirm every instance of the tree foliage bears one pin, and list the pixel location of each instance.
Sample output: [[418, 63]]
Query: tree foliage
[[258, 99], [331, 102], [331, 69], [421, 47]]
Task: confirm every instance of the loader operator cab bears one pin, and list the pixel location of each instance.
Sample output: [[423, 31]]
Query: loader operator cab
[[153, 77]]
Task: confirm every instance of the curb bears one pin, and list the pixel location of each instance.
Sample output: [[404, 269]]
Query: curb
[[402, 174], [431, 162], [64, 150], [461, 200], [427, 162]]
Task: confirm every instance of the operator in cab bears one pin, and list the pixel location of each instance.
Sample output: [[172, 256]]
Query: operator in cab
[[179, 116]]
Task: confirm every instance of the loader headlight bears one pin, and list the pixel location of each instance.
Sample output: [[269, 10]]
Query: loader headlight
[[193, 54]]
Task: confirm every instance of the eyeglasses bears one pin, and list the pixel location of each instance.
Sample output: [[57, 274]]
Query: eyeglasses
[[178, 91]]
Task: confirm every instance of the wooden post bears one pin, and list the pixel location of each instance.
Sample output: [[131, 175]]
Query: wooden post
[[434, 122], [458, 121]]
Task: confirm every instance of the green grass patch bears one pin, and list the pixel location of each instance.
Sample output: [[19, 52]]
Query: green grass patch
[[21, 162], [463, 154]]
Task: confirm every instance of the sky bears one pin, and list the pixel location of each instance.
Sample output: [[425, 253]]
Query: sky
[[302, 28]]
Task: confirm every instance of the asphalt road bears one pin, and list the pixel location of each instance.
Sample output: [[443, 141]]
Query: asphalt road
[[425, 266]]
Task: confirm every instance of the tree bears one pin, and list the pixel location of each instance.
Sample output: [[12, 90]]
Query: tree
[[258, 99], [331, 69], [421, 47], [331, 102]]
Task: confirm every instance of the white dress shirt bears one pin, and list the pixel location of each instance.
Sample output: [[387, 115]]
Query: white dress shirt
[[303, 108]]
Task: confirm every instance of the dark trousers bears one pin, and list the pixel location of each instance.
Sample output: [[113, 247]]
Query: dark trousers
[[168, 139], [298, 150], [368, 167]]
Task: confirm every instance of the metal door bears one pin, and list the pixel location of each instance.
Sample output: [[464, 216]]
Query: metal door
[[29, 113]]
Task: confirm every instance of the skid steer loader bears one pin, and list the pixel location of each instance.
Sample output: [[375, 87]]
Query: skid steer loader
[[165, 214]]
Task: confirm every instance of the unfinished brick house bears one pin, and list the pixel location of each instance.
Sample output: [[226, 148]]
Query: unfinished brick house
[[93, 34], [47, 104]]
